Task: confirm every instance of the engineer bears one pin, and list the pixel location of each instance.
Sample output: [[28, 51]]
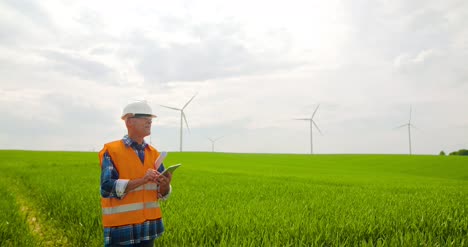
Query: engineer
[[131, 185]]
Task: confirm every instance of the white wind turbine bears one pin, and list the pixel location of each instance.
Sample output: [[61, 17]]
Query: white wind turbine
[[312, 122], [409, 130], [213, 142], [182, 116]]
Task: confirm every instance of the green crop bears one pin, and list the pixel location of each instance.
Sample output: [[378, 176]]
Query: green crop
[[14, 229], [252, 200]]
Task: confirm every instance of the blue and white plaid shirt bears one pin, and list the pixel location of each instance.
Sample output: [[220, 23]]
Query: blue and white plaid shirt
[[113, 187]]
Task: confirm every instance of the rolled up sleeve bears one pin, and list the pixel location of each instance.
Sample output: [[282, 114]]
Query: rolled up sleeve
[[111, 185]]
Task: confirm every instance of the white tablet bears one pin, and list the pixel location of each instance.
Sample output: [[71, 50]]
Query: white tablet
[[171, 169]]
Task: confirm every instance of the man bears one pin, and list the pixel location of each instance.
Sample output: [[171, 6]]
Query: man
[[131, 185]]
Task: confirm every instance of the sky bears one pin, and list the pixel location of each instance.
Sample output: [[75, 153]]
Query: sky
[[67, 69]]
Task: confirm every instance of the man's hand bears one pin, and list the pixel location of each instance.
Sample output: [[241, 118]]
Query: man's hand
[[164, 181], [151, 176]]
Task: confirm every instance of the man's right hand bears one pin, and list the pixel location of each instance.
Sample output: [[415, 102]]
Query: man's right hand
[[151, 175]]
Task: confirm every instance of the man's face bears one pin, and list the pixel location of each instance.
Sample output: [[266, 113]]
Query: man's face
[[141, 125]]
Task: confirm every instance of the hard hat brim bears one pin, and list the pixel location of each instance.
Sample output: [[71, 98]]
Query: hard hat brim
[[137, 115]]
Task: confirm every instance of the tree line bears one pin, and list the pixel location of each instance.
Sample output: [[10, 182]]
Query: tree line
[[463, 152]]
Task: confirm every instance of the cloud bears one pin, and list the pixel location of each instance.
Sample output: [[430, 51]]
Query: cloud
[[405, 60], [72, 110], [23, 20], [416, 45], [212, 52], [78, 65], [384, 30], [37, 119], [29, 11], [433, 68], [69, 67]]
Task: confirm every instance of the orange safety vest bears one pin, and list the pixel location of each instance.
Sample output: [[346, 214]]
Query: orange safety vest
[[140, 204]]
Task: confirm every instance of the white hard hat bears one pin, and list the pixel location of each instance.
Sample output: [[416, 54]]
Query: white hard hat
[[139, 108]]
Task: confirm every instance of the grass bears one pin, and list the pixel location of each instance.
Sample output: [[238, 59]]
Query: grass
[[260, 199], [14, 229]]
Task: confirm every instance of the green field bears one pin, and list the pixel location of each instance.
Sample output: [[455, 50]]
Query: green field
[[52, 199]]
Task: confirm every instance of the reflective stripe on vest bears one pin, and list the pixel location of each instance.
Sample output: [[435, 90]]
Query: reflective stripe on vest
[[150, 186], [129, 207]]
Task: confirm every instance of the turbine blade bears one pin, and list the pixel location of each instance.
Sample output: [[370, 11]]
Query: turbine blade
[[173, 108], [219, 138], [409, 114], [308, 119], [186, 123], [411, 125], [316, 127], [400, 126], [188, 102], [315, 111]]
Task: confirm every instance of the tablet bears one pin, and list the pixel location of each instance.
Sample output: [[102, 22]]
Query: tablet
[[170, 169]]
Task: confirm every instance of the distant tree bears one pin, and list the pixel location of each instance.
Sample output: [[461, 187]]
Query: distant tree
[[442, 153], [460, 152]]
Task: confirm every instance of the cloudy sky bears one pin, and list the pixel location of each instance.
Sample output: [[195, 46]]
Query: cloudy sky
[[67, 68]]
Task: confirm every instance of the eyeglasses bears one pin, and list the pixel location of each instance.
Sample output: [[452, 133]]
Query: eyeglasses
[[147, 119]]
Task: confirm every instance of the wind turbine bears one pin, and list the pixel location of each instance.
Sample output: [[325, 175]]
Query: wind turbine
[[213, 142], [182, 116], [312, 122], [409, 129]]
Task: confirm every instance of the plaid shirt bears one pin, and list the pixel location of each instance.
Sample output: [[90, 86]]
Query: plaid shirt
[[130, 234]]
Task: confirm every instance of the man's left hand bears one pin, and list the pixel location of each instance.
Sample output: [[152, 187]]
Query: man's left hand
[[164, 181]]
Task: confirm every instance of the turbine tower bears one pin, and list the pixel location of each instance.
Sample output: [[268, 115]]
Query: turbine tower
[[312, 122], [213, 142], [182, 117], [409, 130]]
